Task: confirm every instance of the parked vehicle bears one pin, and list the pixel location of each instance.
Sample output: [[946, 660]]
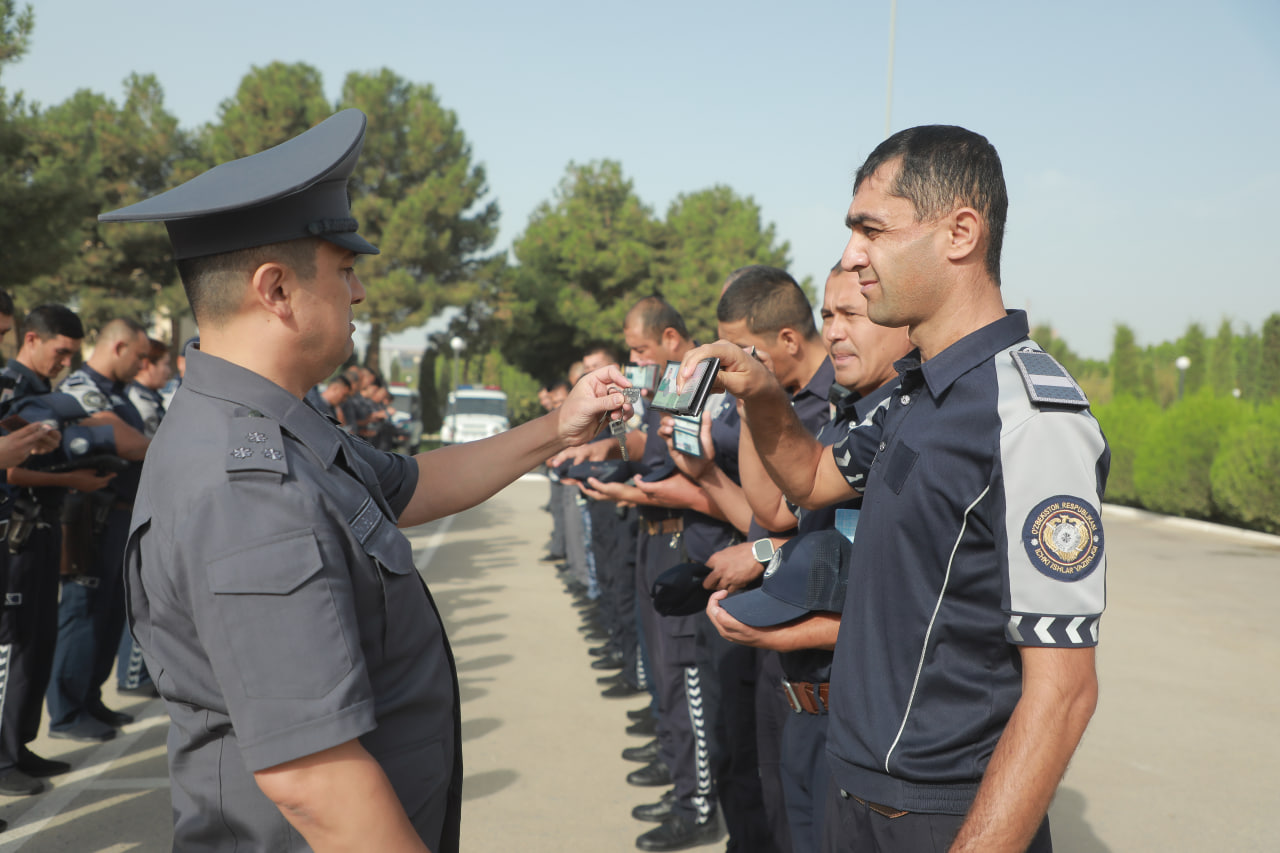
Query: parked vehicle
[[474, 413], [407, 418]]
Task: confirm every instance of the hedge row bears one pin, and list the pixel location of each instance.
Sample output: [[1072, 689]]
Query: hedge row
[[1206, 456]]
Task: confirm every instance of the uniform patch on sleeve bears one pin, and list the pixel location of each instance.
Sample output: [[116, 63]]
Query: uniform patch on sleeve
[[1063, 538], [1047, 381]]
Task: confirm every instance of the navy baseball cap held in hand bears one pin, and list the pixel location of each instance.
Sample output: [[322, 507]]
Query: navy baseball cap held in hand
[[295, 190], [808, 574]]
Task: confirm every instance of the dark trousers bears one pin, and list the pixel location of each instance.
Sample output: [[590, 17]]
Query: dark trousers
[[850, 826], [90, 620], [556, 504], [29, 630], [771, 718], [805, 775], [683, 735], [729, 686]]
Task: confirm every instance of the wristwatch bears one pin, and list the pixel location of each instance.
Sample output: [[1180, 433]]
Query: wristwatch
[[762, 550]]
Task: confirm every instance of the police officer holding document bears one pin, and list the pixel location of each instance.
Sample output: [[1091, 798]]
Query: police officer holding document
[[963, 675], [312, 691]]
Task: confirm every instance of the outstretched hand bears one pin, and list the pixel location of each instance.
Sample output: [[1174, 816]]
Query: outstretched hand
[[591, 403]]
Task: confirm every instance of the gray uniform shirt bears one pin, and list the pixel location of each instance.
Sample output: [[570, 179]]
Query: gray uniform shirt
[[280, 612]]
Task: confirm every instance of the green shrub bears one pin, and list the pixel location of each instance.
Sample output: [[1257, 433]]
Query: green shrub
[[1245, 474], [1125, 422], [1171, 468]]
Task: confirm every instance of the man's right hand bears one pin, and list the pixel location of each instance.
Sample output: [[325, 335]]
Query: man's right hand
[[30, 439], [741, 374]]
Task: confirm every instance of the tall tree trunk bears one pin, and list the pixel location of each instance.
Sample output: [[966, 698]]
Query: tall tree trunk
[[373, 354], [429, 397]]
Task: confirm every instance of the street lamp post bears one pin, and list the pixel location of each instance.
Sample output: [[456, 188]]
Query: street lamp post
[[457, 345], [1182, 363]]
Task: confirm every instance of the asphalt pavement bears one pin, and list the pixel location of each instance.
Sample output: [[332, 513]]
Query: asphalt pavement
[[1181, 756]]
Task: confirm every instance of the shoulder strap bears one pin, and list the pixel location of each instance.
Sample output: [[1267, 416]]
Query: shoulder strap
[[1047, 381]]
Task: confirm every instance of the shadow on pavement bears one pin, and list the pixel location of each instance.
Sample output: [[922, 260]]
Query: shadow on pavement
[[1071, 830], [488, 783]]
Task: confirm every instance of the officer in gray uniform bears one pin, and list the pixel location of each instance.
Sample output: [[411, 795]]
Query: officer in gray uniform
[[311, 688]]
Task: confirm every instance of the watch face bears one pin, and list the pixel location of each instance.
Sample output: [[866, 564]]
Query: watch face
[[762, 549]]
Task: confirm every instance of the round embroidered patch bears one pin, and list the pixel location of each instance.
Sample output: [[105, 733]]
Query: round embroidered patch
[[1063, 538]]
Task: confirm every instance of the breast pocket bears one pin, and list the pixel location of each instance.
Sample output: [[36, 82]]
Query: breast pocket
[[281, 621], [899, 467]]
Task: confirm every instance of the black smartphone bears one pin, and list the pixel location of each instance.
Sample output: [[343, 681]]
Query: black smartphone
[[693, 398]]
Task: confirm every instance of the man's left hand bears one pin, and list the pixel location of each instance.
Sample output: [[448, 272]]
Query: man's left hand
[[733, 568]]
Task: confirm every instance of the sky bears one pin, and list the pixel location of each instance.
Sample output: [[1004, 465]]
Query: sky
[[1139, 139]]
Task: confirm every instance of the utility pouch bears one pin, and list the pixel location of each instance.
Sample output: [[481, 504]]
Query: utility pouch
[[22, 521]]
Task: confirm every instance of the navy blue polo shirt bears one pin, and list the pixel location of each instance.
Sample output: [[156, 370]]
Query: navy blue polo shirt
[[979, 533], [814, 665], [96, 393]]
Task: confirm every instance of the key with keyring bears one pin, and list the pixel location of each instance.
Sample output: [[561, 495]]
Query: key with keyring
[[618, 427]]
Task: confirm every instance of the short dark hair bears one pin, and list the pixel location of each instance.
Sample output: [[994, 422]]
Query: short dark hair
[[50, 321], [6, 303], [944, 167], [608, 351], [209, 280], [157, 351], [656, 316], [768, 300], [560, 384], [338, 380]]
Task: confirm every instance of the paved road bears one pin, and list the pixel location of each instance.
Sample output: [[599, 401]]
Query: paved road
[[1181, 756]]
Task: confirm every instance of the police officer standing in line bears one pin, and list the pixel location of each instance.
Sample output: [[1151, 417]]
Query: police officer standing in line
[[311, 689], [50, 337], [674, 522], [16, 445], [144, 393], [328, 401], [91, 613], [863, 355], [964, 670]]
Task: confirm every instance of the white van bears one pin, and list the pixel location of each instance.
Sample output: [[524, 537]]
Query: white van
[[474, 413]]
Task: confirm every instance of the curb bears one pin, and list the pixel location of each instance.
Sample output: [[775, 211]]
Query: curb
[[1253, 536]]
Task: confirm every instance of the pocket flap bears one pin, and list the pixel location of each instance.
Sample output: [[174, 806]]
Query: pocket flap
[[391, 549], [267, 568]]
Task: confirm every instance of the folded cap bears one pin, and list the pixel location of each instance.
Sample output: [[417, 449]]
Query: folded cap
[[54, 406], [808, 574], [679, 591], [295, 190]]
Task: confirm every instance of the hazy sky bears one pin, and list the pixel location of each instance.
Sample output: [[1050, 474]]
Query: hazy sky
[[1139, 139]]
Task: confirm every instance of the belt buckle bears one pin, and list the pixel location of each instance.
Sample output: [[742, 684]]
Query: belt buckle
[[792, 699], [86, 581]]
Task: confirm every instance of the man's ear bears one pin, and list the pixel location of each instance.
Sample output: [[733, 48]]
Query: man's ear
[[966, 234], [271, 289], [670, 339], [790, 339]]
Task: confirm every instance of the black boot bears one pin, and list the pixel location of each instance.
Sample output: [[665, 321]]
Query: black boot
[[679, 832]]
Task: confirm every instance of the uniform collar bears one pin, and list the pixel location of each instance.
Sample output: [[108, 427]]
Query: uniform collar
[[975, 348], [211, 376], [101, 381], [41, 385], [819, 384]]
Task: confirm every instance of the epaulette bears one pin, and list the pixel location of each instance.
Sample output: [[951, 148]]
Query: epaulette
[[1048, 383], [255, 444]]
